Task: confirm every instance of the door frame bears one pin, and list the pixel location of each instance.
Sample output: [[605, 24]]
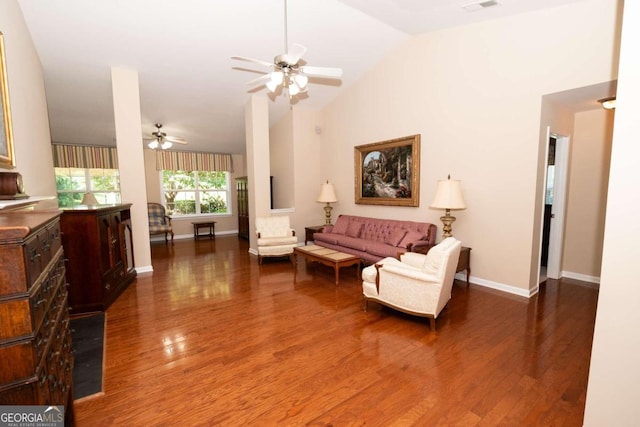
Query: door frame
[[558, 208]]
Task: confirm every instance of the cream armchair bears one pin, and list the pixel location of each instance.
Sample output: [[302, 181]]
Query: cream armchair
[[275, 237], [417, 284]]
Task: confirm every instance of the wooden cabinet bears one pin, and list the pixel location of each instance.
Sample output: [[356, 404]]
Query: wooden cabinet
[[36, 359], [243, 207], [97, 241]]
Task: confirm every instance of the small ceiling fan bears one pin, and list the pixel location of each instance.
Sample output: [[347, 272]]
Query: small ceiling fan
[[161, 140], [287, 71]]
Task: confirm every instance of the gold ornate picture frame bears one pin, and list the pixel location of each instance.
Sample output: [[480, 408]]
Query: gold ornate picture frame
[[388, 172], [7, 159]]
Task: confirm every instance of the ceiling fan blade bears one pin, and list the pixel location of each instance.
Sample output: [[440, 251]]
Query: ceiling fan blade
[[295, 52], [259, 81], [328, 72], [175, 139], [255, 61]]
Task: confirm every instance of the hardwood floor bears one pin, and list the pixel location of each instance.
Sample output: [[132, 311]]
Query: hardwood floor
[[213, 338]]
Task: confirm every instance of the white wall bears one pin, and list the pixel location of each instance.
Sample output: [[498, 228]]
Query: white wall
[[474, 93], [614, 375], [32, 140], [587, 194], [282, 163]]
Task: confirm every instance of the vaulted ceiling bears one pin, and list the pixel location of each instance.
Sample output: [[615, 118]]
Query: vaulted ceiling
[[182, 51]]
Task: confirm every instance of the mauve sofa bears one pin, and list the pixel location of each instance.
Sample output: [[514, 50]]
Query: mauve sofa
[[373, 239]]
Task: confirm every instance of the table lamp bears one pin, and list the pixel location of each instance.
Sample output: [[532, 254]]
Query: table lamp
[[327, 195], [448, 197]]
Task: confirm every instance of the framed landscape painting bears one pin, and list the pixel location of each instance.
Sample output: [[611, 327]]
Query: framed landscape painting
[[388, 172], [6, 135]]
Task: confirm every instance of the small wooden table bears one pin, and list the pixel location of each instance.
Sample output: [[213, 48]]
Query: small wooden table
[[464, 262], [211, 225], [326, 256], [308, 232]]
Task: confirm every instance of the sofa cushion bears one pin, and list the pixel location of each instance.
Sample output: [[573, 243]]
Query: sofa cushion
[[395, 237], [353, 229], [382, 249], [341, 225], [352, 242], [331, 238], [410, 237]]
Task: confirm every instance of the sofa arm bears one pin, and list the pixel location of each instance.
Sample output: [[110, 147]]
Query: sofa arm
[[421, 246]]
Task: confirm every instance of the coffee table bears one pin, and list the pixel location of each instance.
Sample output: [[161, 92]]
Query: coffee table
[[326, 256]]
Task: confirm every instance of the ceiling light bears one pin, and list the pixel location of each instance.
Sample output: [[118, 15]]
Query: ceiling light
[[276, 80], [608, 103], [153, 144], [293, 89], [166, 145], [301, 80]]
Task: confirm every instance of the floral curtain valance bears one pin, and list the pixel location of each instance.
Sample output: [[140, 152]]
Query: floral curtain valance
[[191, 161], [84, 156]]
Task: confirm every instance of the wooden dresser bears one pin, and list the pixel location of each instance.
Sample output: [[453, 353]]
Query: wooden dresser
[[97, 242], [36, 359]]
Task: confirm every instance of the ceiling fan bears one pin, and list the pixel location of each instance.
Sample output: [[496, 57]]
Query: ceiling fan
[[287, 69], [161, 140]]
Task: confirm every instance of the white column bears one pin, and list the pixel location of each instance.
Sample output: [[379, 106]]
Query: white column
[[126, 110], [258, 169]]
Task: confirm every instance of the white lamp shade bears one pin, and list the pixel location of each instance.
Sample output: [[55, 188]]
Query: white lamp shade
[[327, 194], [448, 195], [153, 144], [89, 199], [166, 145]]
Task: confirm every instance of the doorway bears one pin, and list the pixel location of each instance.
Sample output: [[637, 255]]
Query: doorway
[[554, 206]]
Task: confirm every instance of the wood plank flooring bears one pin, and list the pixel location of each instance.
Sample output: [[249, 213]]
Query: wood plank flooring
[[213, 338]]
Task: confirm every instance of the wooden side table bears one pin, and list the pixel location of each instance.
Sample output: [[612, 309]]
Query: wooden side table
[[308, 232], [211, 225], [464, 262]]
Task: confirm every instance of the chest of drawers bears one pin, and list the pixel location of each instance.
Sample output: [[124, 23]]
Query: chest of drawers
[[36, 359]]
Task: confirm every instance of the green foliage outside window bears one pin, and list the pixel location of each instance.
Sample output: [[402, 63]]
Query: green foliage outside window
[[72, 183], [193, 193]]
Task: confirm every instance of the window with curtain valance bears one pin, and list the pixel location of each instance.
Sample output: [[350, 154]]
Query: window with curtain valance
[[193, 161], [83, 170], [84, 157]]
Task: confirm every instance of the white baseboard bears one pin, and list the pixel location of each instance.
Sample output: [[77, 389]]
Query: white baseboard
[[190, 236], [498, 286], [145, 269], [578, 276]]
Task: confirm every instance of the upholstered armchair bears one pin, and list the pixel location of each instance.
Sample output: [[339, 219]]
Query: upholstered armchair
[[416, 284], [159, 221], [276, 238]]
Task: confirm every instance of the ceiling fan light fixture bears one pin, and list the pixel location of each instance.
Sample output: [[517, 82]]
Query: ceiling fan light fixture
[[301, 80], [166, 145], [608, 103], [153, 144], [293, 89], [276, 80]]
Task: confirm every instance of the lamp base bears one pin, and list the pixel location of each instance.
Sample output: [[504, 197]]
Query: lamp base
[[327, 214], [447, 220]]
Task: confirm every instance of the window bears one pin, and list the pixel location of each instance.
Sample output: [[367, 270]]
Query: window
[[195, 192], [72, 183]]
